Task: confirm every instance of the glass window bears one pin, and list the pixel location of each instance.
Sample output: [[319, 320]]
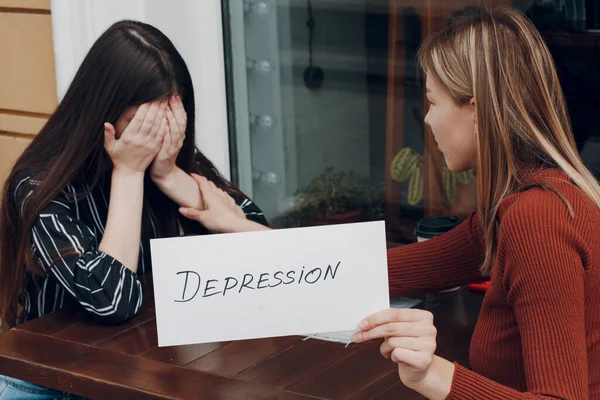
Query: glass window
[[326, 105]]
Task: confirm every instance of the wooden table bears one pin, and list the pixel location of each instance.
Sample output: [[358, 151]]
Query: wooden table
[[66, 350]]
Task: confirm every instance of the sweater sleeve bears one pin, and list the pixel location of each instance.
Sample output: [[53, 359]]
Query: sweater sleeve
[[541, 265], [445, 261], [66, 249]]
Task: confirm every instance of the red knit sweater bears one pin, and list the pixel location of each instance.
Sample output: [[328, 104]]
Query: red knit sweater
[[538, 333]]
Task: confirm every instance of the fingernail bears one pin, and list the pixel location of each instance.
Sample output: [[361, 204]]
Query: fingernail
[[356, 337], [363, 324], [182, 210]]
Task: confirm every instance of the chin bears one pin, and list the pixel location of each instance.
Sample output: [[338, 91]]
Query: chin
[[455, 167]]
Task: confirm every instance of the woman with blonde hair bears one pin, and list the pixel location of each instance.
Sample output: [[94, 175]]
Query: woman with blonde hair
[[496, 106]]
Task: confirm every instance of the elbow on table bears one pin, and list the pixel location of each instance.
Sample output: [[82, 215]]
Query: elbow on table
[[117, 315]]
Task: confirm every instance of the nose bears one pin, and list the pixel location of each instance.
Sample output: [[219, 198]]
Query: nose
[[426, 120]]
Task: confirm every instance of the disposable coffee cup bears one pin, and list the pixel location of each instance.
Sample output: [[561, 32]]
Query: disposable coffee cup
[[430, 227]]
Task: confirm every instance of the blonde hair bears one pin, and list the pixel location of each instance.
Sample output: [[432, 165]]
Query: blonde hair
[[499, 58]]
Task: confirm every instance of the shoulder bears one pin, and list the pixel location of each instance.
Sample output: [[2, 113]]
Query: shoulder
[[550, 199], [24, 187], [544, 221]]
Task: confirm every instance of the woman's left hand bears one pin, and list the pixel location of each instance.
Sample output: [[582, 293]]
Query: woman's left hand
[[410, 341], [164, 163]]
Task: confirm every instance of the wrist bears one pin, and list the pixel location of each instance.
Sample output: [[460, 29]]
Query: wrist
[[126, 173], [438, 382], [164, 176]]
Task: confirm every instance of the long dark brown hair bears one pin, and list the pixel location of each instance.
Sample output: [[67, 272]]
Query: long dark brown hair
[[130, 64]]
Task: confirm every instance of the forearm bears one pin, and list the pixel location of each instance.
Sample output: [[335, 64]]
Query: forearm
[[181, 188], [449, 260], [121, 239]]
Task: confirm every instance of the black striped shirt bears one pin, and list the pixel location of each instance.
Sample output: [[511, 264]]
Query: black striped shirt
[[65, 239]]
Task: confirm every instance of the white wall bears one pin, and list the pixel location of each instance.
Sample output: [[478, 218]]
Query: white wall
[[194, 27]]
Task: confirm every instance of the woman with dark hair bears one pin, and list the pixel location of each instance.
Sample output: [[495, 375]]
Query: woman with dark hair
[[107, 173]]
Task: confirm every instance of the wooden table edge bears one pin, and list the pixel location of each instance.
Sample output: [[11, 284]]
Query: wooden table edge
[[52, 374]]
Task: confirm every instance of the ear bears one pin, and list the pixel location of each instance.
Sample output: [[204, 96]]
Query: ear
[[474, 110]]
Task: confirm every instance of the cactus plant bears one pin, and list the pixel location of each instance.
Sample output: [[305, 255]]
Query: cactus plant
[[408, 164]]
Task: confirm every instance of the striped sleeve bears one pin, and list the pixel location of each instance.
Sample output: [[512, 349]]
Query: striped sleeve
[[253, 213], [66, 249]]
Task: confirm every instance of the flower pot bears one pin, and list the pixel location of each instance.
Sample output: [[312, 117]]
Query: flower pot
[[344, 218]]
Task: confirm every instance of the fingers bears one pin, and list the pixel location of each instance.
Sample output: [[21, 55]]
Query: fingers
[[164, 126], [395, 322], [173, 127], [192, 213], [417, 359], [207, 193], [157, 117], [109, 135], [212, 195], [231, 200], [409, 329], [202, 182], [149, 119], [228, 200], [213, 187], [179, 138], [410, 343], [176, 106], [216, 192], [394, 315], [139, 117]]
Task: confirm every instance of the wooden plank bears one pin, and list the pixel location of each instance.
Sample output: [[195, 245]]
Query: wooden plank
[[399, 391], [133, 341], [349, 375], [397, 103], [19, 123], [11, 148], [88, 331], [27, 74], [94, 373], [297, 363], [238, 356], [54, 322], [395, 117], [26, 4], [389, 383], [181, 355]]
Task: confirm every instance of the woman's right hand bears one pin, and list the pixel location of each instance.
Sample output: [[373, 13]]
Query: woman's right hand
[[140, 142], [221, 214]]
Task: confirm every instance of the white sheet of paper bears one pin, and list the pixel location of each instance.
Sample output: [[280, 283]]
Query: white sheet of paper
[[317, 279]]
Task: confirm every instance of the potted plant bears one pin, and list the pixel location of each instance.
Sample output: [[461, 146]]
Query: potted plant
[[408, 164], [335, 197]]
